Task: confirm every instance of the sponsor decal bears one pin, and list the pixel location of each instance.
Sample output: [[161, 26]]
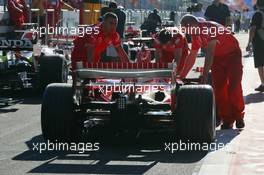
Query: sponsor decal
[[16, 44]]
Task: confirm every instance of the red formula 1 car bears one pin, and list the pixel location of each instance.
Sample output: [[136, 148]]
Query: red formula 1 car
[[128, 96]]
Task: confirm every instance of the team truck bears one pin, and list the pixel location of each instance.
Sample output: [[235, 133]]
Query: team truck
[[153, 98]]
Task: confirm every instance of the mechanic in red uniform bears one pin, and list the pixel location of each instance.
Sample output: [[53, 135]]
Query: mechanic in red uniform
[[56, 5], [224, 59], [90, 47], [171, 46], [18, 12]]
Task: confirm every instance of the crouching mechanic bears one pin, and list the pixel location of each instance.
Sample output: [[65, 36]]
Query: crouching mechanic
[[90, 47], [224, 59], [171, 46]]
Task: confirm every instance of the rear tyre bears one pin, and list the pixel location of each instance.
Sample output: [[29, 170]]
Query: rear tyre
[[58, 119], [195, 113], [53, 69]]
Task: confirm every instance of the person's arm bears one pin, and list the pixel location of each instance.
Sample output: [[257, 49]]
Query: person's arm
[[158, 54], [18, 5], [207, 13], [255, 22], [150, 16], [122, 54], [209, 58], [66, 6], [159, 20], [177, 55], [228, 21], [190, 60], [252, 32], [90, 52], [17, 8]]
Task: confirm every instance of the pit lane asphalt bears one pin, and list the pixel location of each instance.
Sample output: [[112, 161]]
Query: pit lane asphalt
[[20, 129]]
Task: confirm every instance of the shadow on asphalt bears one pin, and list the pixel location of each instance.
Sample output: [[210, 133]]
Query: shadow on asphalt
[[26, 97], [120, 155], [254, 98], [4, 111]]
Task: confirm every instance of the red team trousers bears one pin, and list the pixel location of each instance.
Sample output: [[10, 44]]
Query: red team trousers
[[227, 76]]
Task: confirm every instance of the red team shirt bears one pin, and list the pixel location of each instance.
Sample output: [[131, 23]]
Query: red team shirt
[[178, 41], [222, 35], [96, 39], [101, 42]]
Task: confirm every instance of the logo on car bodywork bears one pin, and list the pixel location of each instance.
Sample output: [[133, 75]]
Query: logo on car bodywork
[[16, 44]]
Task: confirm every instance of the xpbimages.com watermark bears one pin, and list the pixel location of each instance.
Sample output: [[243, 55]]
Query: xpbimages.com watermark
[[173, 147], [131, 88], [80, 31], [204, 30], [60, 146]]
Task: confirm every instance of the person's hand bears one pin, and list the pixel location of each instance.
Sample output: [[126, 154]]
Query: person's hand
[[20, 6], [178, 76], [249, 48]]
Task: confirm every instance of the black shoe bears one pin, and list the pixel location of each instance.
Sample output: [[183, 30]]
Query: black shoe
[[226, 126], [260, 88], [240, 124]]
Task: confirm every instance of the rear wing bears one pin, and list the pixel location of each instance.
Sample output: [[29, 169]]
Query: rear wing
[[126, 70]]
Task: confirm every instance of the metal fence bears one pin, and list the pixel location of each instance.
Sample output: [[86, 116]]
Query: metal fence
[[138, 16]]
